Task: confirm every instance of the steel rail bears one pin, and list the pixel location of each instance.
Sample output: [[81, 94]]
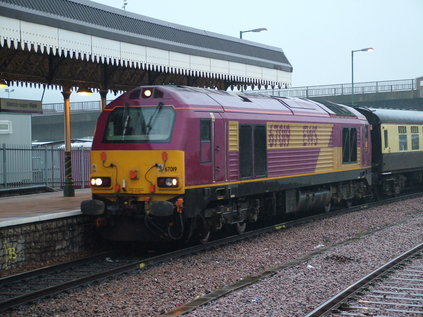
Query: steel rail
[[337, 300], [144, 263], [250, 280]]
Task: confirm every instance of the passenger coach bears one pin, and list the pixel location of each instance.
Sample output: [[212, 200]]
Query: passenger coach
[[397, 137]]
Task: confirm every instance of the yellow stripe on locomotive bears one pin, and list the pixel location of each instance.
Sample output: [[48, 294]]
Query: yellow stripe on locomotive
[[158, 175]]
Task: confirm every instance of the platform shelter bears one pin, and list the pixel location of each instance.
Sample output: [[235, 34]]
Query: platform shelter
[[84, 45]]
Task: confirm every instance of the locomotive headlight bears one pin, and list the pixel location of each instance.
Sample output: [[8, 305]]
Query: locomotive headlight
[[100, 181], [147, 93], [167, 182]]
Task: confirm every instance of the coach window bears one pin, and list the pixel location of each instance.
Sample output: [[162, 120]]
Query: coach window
[[205, 140], [349, 145], [385, 138], [245, 151], [402, 136], [415, 143]]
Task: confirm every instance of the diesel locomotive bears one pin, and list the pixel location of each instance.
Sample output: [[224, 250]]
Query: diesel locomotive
[[177, 162]]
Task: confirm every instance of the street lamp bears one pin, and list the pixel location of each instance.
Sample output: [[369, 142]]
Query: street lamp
[[367, 49], [9, 91], [253, 30]]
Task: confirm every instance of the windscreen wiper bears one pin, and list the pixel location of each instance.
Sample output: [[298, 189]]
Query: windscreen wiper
[[153, 117]]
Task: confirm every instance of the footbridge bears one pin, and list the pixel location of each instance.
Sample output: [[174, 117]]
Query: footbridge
[[394, 94]]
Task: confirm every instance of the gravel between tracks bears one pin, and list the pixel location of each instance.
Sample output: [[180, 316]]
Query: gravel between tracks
[[377, 235]]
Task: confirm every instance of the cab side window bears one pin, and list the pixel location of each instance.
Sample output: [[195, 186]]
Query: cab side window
[[349, 145], [205, 140]]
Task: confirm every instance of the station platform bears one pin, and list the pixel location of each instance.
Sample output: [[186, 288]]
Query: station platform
[[16, 210]]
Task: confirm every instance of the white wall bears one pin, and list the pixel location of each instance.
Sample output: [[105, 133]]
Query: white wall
[[15, 128]]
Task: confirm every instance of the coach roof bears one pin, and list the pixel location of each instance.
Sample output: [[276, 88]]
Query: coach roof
[[398, 116]]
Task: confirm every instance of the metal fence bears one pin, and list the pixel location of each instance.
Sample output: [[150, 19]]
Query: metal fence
[[74, 106], [343, 89], [22, 166]]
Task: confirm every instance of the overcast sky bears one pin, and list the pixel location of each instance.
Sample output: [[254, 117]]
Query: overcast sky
[[317, 36]]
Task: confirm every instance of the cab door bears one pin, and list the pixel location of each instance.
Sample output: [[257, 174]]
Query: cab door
[[218, 147]]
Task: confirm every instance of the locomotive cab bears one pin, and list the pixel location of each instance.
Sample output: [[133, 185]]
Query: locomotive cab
[[137, 168]]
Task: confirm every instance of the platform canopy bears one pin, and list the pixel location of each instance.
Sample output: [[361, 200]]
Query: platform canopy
[[77, 43]]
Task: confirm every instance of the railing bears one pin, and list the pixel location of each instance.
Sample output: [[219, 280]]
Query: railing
[[74, 106], [342, 89], [22, 166]]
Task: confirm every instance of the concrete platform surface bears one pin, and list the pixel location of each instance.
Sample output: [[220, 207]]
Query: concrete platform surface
[[37, 207]]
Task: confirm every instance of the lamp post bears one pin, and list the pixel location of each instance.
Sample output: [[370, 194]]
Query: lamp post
[[9, 91], [253, 30], [367, 49]]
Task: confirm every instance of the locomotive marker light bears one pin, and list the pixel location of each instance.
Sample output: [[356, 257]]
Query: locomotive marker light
[[133, 174], [253, 30], [164, 182], [100, 181], [367, 49]]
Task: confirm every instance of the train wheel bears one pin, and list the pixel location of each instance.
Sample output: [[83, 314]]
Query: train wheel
[[205, 237], [327, 207], [240, 227], [348, 203], [204, 231]]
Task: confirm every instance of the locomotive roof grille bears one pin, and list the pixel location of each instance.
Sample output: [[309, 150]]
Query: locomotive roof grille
[[338, 109]]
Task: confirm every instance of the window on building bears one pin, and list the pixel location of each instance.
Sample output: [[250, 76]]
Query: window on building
[[415, 140], [402, 137], [349, 145], [5, 127]]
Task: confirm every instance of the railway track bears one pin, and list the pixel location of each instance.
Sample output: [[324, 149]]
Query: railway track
[[30, 286], [394, 289]]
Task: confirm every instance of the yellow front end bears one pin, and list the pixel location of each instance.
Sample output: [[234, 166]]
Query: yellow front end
[[137, 175]]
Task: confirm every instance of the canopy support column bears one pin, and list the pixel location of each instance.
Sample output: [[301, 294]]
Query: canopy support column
[[68, 189]]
